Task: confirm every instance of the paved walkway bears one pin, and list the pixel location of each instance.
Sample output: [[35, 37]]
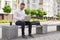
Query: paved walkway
[[48, 36]]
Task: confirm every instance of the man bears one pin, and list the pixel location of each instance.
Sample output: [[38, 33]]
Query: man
[[19, 17]]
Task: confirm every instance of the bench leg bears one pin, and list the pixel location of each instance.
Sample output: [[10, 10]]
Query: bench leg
[[44, 29], [41, 30], [58, 28]]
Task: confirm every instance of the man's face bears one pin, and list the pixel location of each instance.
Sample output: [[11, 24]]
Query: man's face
[[22, 7]]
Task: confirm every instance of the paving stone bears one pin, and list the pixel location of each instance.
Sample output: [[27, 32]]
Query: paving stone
[[48, 36]]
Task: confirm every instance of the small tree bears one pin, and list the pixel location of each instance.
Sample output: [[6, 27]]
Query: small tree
[[58, 15], [7, 9]]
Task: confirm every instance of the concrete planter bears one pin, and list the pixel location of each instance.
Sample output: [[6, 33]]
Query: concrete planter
[[6, 16], [9, 32], [58, 28], [41, 30]]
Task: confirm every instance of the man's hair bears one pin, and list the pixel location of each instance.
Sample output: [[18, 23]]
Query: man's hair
[[22, 4]]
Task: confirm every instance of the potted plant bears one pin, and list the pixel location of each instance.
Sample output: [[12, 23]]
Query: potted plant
[[40, 13], [27, 11], [7, 9], [33, 12]]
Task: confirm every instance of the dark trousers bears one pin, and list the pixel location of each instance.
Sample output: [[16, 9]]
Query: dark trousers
[[23, 26]]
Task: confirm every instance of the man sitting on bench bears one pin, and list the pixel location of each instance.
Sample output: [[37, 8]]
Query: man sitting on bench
[[19, 18]]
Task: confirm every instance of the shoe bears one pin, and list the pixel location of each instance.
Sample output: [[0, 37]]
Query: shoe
[[31, 36], [24, 37]]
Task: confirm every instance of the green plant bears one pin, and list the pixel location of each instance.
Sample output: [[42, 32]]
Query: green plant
[[5, 21], [7, 9], [37, 12], [44, 13], [58, 15], [33, 12], [27, 11], [40, 13]]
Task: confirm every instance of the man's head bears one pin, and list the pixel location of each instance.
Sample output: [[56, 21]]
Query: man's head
[[22, 6]]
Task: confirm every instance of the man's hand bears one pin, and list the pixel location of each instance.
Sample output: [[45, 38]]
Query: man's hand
[[23, 19]]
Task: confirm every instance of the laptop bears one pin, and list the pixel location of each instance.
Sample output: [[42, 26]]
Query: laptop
[[27, 18]]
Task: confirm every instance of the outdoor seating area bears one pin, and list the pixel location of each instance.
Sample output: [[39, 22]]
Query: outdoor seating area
[[29, 19], [11, 31]]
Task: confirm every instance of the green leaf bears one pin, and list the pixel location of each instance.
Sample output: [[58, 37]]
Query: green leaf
[[7, 9], [27, 11]]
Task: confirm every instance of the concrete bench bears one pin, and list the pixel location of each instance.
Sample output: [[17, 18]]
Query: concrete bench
[[39, 29], [58, 28], [9, 32], [46, 25]]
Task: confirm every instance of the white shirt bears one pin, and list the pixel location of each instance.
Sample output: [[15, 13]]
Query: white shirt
[[18, 15]]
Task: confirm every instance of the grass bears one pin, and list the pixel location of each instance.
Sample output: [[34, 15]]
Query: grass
[[38, 20], [31, 20], [5, 21]]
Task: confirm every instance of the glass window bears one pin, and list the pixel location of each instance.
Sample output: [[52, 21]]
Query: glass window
[[0, 3], [7, 2], [28, 4], [58, 9], [14, 4], [58, 2], [22, 0], [34, 6], [28, 1], [58, 5], [34, 1], [18, 1]]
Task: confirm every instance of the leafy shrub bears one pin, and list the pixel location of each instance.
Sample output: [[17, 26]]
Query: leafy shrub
[[34, 12], [41, 13], [27, 11], [37, 12], [7, 9], [58, 15], [5, 21]]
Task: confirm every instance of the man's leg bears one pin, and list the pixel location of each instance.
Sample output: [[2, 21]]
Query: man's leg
[[23, 28], [19, 23], [29, 27]]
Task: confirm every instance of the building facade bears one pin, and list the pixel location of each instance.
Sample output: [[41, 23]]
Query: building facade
[[2, 14], [58, 6], [32, 4], [52, 7], [3, 2]]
